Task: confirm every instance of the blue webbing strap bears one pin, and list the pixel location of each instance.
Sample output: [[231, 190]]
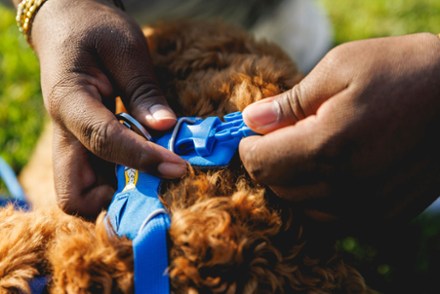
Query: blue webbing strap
[[136, 211], [11, 182], [151, 257]]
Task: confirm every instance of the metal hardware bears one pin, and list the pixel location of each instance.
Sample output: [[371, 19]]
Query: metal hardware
[[131, 123]]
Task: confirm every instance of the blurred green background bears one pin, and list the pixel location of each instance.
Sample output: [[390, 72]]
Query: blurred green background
[[21, 107], [401, 261]]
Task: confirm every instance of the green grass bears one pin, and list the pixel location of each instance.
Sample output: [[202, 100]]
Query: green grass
[[356, 19], [21, 106]]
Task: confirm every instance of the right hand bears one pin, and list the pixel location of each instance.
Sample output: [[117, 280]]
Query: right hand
[[91, 52]]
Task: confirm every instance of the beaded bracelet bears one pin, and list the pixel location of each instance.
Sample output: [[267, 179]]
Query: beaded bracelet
[[26, 11]]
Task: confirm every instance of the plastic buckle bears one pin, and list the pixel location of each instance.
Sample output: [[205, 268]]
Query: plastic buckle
[[200, 135]]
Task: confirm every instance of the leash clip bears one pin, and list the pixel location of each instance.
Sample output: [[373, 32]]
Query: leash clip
[[131, 123]]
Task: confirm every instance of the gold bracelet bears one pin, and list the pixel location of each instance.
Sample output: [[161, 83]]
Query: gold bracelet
[[26, 11]]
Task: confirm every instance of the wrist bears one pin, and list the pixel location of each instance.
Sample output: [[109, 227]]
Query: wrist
[[27, 11], [61, 22]]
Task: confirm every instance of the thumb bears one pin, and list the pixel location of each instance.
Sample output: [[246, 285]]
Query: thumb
[[301, 101]]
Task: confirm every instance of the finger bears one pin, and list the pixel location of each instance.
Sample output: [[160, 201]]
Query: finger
[[80, 190], [302, 100], [303, 153], [100, 132], [130, 66], [290, 175], [293, 169], [284, 154]]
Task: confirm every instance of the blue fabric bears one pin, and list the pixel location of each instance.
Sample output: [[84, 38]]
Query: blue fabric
[[18, 204], [207, 142], [151, 257], [132, 205], [16, 197], [136, 211], [38, 285], [11, 182]]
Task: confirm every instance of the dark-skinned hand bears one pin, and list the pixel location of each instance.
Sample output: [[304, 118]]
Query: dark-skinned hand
[[89, 53], [358, 138]]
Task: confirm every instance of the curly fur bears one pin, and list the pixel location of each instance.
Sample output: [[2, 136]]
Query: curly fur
[[214, 68], [80, 256], [227, 235]]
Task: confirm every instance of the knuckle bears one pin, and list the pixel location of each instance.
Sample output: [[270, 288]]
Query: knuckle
[[290, 104], [126, 34], [141, 89], [337, 56], [254, 163], [97, 137]]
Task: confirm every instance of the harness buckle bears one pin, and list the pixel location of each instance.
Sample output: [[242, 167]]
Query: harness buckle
[[200, 135]]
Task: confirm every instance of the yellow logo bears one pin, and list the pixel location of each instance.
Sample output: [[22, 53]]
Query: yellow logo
[[131, 178]]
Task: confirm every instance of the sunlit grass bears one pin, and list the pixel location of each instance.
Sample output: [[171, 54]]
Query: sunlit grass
[[357, 19], [21, 106]]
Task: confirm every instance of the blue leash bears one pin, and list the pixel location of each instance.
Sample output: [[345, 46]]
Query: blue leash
[[17, 196], [136, 211]]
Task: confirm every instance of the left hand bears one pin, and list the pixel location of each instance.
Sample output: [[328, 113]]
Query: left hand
[[357, 139]]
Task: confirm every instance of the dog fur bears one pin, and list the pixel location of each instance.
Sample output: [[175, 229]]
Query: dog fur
[[228, 234]]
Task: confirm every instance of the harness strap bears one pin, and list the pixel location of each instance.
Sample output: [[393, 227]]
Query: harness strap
[[151, 256], [136, 211]]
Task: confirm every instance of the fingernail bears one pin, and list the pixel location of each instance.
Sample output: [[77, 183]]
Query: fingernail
[[172, 170], [262, 113], [161, 112]]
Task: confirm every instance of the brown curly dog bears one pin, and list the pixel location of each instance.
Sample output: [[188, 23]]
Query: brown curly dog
[[227, 235]]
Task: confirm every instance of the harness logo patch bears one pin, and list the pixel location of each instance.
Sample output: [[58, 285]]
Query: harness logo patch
[[131, 178]]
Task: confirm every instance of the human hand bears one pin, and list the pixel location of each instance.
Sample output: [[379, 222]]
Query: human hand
[[90, 52], [357, 139]]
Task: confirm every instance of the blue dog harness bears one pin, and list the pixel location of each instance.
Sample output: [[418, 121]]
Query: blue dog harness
[[136, 211]]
